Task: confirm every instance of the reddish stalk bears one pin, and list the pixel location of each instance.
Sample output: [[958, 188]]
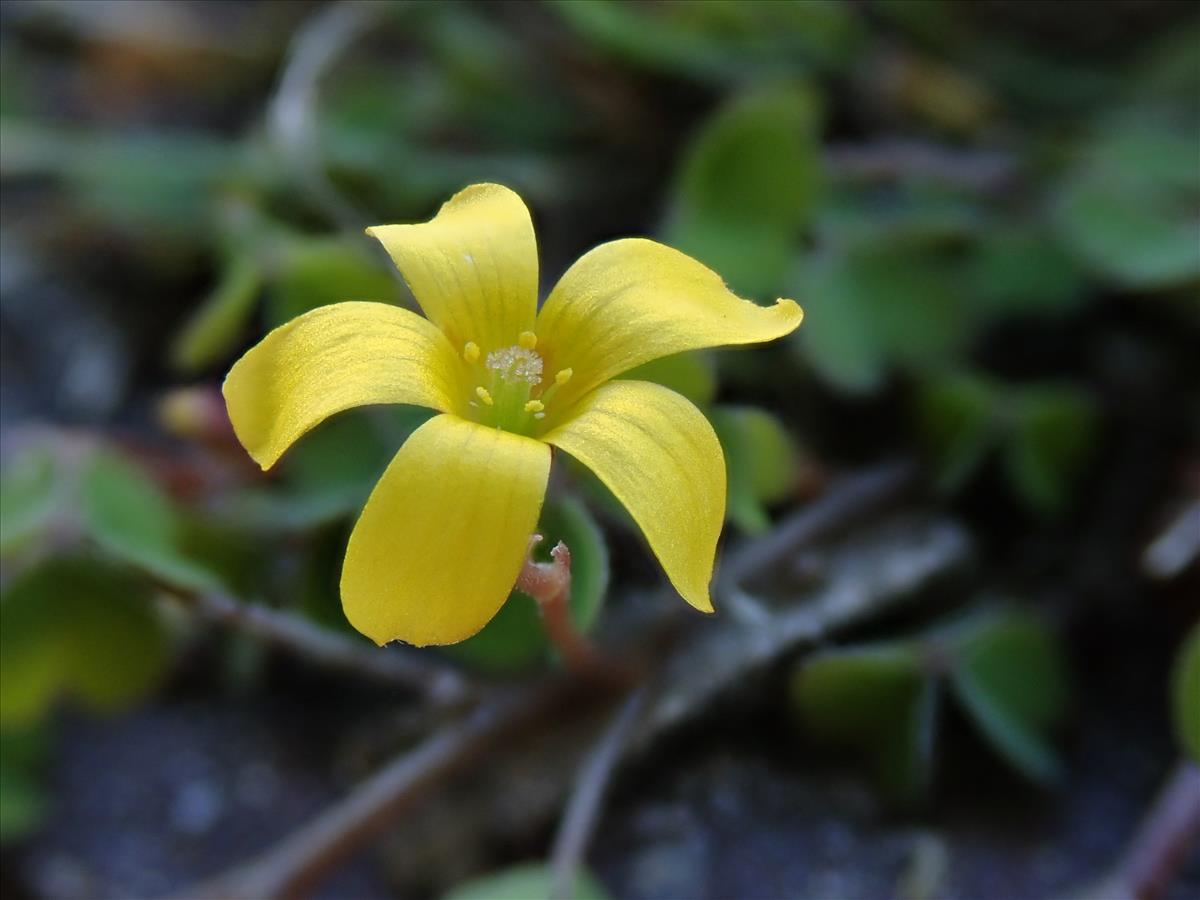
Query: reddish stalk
[[550, 585]]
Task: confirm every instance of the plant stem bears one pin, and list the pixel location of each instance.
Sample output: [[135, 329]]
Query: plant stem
[[550, 585]]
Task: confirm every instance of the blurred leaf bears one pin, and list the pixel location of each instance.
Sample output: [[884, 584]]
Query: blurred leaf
[[873, 308], [131, 518], [28, 494], [1185, 694], [690, 374], [76, 628], [917, 212], [719, 39], [22, 799], [1011, 678], [958, 421], [1051, 439], [760, 460], [162, 181], [748, 185], [1020, 271], [514, 640], [529, 881], [1132, 209], [877, 701], [1045, 433], [315, 271], [214, 330]]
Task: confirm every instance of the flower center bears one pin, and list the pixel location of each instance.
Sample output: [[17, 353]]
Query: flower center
[[508, 391]]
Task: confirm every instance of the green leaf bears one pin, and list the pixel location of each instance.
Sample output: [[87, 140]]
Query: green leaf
[[872, 308], [1131, 211], [690, 374], [213, 332], [22, 799], [1011, 678], [315, 271], [132, 519], [530, 881], [760, 461], [81, 629], [1052, 437], [748, 186], [514, 640], [957, 416], [876, 701], [1023, 271], [1185, 694], [719, 39], [28, 497]]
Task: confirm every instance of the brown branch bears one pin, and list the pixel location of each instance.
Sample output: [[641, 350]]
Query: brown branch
[[297, 863], [583, 808], [437, 684]]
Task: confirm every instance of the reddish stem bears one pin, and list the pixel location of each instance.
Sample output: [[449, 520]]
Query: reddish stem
[[550, 585]]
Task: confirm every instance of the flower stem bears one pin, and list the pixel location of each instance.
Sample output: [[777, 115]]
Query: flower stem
[[550, 585]]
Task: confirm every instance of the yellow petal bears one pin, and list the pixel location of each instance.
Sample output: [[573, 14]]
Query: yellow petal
[[473, 267], [657, 453], [331, 359], [630, 301], [444, 535]]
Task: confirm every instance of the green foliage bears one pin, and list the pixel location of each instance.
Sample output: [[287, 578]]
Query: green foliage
[[720, 39], [514, 640], [1129, 209], [76, 628], [22, 798], [1005, 669], [29, 491], [308, 272], [748, 186], [876, 700], [529, 881], [870, 308], [1044, 434], [134, 521], [219, 322], [1185, 694], [690, 374], [1010, 677], [1022, 270], [760, 461]]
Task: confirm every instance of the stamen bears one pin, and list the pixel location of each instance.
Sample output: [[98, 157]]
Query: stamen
[[471, 351], [516, 364], [534, 406], [527, 339], [563, 376], [482, 394]]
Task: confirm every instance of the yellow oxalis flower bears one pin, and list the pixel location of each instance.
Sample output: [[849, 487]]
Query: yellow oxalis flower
[[445, 531]]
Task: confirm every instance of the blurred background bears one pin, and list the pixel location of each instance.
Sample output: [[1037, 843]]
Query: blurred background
[[952, 654]]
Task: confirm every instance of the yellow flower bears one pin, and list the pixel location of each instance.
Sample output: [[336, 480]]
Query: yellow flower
[[445, 531]]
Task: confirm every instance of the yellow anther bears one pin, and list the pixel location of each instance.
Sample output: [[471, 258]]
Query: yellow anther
[[527, 339], [534, 406], [483, 395], [563, 376], [471, 351]]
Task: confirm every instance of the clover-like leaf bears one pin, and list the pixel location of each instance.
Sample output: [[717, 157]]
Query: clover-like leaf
[[1010, 676], [76, 628], [530, 881]]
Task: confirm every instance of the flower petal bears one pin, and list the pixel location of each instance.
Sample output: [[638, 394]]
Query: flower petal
[[444, 535], [657, 453], [630, 301], [473, 267], [331, 359]]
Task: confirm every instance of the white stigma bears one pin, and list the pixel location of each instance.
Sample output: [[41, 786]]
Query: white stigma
[[516, 364]]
